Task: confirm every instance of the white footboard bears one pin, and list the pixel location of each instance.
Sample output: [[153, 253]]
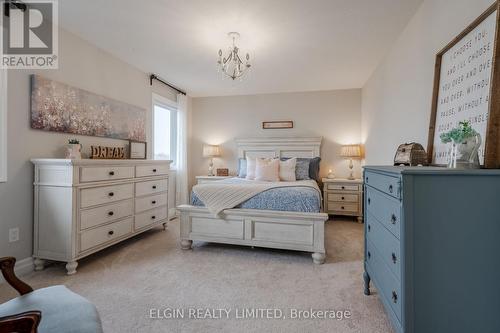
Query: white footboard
[[263, 228]]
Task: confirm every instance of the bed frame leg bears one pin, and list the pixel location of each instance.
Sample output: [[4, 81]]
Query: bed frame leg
[[186, 244], [318, 258]]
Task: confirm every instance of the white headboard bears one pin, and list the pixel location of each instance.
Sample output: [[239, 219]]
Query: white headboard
[[279, 147]]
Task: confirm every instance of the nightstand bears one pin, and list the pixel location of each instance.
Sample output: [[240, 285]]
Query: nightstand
[[206, 179], [343, 197]]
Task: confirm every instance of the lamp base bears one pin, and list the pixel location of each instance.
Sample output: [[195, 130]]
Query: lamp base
[[211, 168]]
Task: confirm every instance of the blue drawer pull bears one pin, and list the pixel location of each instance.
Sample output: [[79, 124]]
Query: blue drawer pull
[[394, 259], [393, 219], [369, 227], [369, 201], [369, 255], [391, 189]]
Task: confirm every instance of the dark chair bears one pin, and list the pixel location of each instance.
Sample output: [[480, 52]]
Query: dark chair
[[51, 309]]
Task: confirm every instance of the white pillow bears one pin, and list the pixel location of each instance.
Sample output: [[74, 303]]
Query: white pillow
[[267, 169], [287, 170], [250, 168]]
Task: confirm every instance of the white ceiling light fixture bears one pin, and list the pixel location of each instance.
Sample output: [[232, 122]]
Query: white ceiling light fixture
[[232, 65]]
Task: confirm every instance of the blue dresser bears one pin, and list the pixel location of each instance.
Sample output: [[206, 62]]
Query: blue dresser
[[432, 247]]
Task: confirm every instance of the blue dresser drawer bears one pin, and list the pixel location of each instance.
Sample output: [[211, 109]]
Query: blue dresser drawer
[[389, 287], [385, 209], [386, 243], [384, 183]]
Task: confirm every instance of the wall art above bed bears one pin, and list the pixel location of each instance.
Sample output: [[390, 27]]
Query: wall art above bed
[[59, 107]]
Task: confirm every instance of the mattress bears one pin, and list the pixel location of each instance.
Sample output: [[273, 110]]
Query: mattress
[[291, 199]]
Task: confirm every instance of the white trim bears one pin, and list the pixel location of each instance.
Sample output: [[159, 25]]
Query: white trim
[[3, 125], [22, 267]]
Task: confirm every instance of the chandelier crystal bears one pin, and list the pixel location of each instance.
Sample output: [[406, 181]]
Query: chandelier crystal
[[232, 65]]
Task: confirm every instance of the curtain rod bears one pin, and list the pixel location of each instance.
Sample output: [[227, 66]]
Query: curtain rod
[[159, 79]]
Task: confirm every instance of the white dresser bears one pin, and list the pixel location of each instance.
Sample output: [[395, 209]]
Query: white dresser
[[83, 206]]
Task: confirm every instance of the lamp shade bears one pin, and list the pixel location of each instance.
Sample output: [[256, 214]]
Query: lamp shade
[[350, 151], [211, 151]]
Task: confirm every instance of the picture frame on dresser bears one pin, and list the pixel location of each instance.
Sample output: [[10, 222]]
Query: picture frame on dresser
[[138, 150], [467, 88]]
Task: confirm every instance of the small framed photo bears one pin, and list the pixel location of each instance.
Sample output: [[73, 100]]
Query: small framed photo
[[137, 150], [277, 124], [223, 172]]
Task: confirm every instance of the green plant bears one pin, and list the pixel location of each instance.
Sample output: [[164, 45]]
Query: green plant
[[458, 134], [73, 142]]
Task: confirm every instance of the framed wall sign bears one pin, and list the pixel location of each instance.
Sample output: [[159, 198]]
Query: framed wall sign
[[277, 124], [467, 88], [137, 150]]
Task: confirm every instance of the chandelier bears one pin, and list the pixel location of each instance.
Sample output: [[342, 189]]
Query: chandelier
[[232, 65]]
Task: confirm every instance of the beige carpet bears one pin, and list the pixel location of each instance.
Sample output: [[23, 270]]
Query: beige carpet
[[150, 271]]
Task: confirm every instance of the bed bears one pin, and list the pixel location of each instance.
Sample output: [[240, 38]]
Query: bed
[[283, 218]]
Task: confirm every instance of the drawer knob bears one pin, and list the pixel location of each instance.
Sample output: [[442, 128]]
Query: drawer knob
[[343, 198], [366, 181], [391, 189], [153, 202], [369, 255], [111, 232], [154, 170], [394, 258], [369, 227], [342, 207], [154, 187], [153, 217], [111, 194], [394, 297], [393, 219], [369, 201], [343, 187], [111, 213], [111, 173]]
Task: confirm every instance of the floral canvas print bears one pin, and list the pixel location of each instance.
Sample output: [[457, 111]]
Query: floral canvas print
[[59, 107]]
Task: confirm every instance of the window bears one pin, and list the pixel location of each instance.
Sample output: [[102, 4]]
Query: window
[[164, 129], [3, 125]]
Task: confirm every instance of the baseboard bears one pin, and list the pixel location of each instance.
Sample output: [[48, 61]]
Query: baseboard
[[22, 267]]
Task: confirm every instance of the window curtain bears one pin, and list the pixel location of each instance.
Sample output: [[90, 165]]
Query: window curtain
[[183, 110]]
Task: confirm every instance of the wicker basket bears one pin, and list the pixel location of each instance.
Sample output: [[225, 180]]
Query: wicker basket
[[411, 154]]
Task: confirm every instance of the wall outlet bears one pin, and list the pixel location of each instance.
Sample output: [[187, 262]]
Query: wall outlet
[[13, 235]]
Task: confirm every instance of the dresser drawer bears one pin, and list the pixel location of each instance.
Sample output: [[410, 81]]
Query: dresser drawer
[[387, 184], [150, 217], [343, 187], [106, 194], [151, 187], [343, 197], [107, 233], [146, 203], [95, 216], [151, 170], [386, 243], [94, 174], [343, 207], [388, 286], [385, 209]]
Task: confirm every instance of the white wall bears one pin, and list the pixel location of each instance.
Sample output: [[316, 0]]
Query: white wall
[[396, 101], [334, 115], [81, 65]]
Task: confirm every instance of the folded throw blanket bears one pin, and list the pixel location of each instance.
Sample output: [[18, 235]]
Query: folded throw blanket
[[229, 193]]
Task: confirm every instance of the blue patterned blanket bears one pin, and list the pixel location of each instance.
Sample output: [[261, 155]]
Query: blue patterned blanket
[[298, 198]]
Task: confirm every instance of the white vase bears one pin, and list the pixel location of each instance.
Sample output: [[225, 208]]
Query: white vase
[[74, 151]]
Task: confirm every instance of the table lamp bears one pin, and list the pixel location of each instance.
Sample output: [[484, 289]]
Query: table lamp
[[211, 151], [350, 152]]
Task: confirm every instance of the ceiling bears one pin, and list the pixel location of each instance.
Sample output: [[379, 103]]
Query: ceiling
[[294, 45]]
